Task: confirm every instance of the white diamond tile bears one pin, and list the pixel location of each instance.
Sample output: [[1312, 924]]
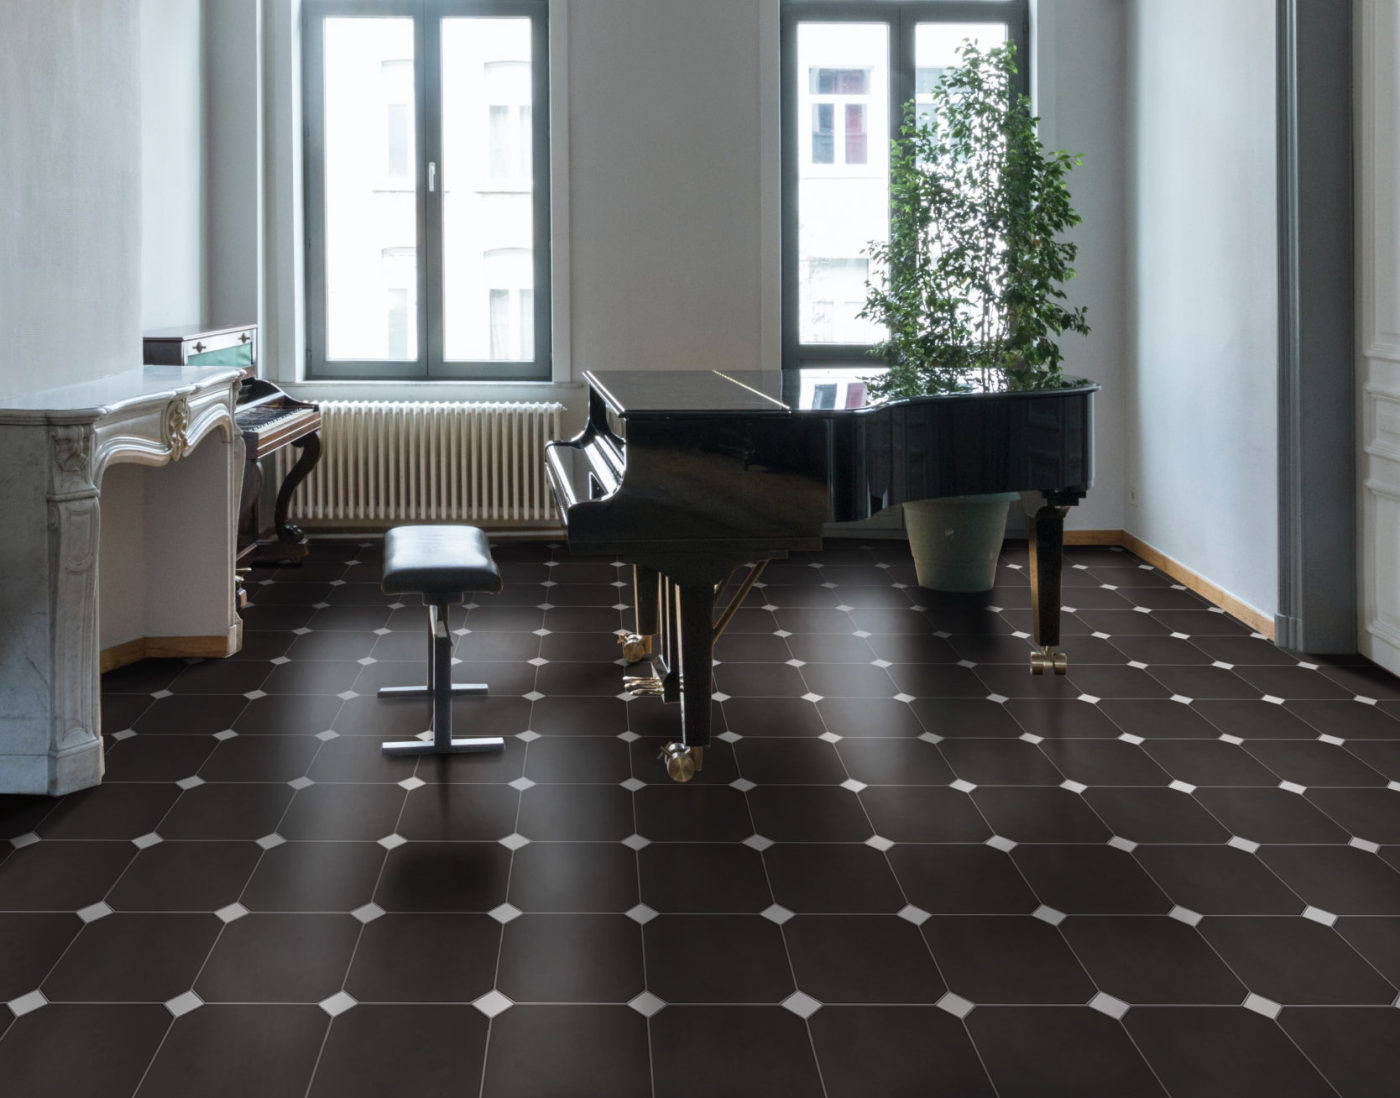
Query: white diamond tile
[[267, 842], [1317, 915], [1364, 700], [1102, 636], [1128, 737], [303, 782], [1031, 737], [376, 632], [254, 695], [1365, 844], [1184, 915], [781, 633], [1307, 666], [743, 785], [801, 1004], [1181, 699], [1073, 786], [1182, 787], [962, 785], [810, 697], [905, 698], [1181, 636], [161, 694], [192, 782], [966, 663], [412, 783], [861, 633], [1336, 741], [881, 664], [852, 785], [830, 737], [1002, 843], [1260, 1005], [1049, 915], [522, 784], [1107, 1004], [1272, 700], [226, 734], [493, 1003], [366, 661], [231, 912], [27, 1004], [367, 913], [1249, 846], [127, 733], [1223, 665], [758, 842], [148, 839], [776, 913], [346, 695], [1227, 738], [797, 663], [632, 784], [1088, 698], [542, 632], [636, 842], [504, 913], [1000, 699], [530, 735], [646, 1004], [1138, 664], [538, 661], [389, 842], [879, 842], [916, 915], [1394, 787], [729, 737], [514, 841], [1292, 787], [93, 912], [956, 1005], [930, 737], [642, 914], [1120, 843], [183, 1004], [328, 735], [768, 606], [533, 695], [719, 697]]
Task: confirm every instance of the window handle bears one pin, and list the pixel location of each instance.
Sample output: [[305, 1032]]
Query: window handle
[[432, 176]]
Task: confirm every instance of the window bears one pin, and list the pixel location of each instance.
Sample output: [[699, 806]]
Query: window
[[427, 196], [847, 71]]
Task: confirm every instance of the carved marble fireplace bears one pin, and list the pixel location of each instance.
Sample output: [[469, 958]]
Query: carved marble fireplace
[[55, 447]]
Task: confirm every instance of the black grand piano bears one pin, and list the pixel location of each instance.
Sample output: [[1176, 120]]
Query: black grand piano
[[692, 475]]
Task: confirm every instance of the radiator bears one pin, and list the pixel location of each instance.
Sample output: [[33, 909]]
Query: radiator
[[384, 462]]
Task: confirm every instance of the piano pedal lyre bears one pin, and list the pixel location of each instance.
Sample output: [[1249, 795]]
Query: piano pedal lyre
[[1048, 659], [682, 762], [644, 686], [635, 646]]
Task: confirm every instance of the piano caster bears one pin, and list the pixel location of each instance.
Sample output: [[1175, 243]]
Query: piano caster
[[682, 762], [635, 647], [1049, 659]]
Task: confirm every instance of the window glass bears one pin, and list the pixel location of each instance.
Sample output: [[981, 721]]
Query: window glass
[[842, 78], [371, 235], [487, 189]]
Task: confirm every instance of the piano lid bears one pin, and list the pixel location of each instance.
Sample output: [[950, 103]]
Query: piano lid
[[690, 392]]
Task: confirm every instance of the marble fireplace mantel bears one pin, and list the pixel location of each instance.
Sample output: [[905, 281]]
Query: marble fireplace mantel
[[55, 447]]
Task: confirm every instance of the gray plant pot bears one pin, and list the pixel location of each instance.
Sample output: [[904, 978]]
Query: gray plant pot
[[956, 540]]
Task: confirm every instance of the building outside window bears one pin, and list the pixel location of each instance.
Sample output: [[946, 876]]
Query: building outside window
[[427, 189], [847, 71]]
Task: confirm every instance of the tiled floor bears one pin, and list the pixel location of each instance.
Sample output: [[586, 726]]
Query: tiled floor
[[908, 868]]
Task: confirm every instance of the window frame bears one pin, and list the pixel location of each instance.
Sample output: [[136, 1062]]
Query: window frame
[[901, 17], [430, 365]]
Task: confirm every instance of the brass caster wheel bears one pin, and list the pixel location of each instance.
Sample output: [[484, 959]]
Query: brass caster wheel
[[635, 647], [680, 762], [1047, 659]]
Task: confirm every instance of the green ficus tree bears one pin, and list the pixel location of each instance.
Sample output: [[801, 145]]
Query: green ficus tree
[[969, 285]]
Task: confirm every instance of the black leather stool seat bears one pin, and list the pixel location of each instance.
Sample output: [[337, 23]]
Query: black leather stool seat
[[441, 563]]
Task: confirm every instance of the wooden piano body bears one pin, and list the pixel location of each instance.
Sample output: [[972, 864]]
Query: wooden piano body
[[689, 475], [266, 417]]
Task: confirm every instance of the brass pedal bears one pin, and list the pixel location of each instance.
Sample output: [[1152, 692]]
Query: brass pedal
[[635, 646], [644, 686], [1047, 659]]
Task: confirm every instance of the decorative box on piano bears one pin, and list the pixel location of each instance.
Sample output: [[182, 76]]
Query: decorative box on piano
[[267, 418]]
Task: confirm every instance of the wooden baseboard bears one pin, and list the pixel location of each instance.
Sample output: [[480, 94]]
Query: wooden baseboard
[[1094, 537], [145, 648]]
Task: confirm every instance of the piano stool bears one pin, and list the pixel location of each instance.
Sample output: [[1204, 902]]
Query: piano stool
[[441, 564]]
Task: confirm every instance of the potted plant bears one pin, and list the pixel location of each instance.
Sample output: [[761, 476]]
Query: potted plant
[[969, 285]]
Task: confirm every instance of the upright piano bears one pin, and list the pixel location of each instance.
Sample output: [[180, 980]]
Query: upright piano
[[691, 476], [268, 420]]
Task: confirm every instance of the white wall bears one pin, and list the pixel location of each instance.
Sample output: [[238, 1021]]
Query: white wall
[[1078, 79], [172, 163], [70, 203], [1200, 418]]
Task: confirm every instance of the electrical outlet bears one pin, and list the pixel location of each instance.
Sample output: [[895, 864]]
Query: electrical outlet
[[1133, 496]]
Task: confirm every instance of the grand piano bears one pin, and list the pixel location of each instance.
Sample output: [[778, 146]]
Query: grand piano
[[693, 476]]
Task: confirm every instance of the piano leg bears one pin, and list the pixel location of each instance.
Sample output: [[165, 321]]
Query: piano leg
[[287, 534], [646, 581], [696, 610], [1046, 541]]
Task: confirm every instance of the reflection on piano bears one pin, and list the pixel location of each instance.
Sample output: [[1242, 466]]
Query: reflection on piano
[[692, 475], [267, 418]]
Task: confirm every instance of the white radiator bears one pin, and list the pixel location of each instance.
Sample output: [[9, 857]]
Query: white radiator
[[384, 462]]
